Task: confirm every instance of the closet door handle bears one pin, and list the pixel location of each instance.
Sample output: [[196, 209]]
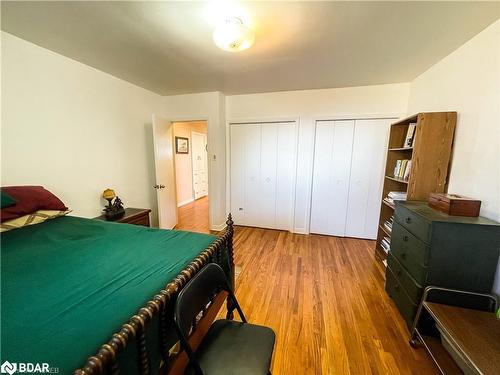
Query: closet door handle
[[405, 238], [408, 220]]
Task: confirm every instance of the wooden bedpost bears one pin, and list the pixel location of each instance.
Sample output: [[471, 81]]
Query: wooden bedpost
[[229, 245]]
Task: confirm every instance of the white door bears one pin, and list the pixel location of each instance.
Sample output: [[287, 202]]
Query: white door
[[267, 192], [251, 189], [285, 175], [238, 173], [262, 174], [332, 164], [200, 165], [165, 176], [367, 174]]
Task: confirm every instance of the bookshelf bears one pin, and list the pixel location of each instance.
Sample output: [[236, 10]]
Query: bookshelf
[[430, 155]]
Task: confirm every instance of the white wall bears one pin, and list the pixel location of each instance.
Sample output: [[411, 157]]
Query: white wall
[[74, 129], [468, 81], [210, 107], [307, 106]]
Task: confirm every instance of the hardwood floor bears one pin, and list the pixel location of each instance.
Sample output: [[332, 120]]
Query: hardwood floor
[[194, 216], [324, 297]]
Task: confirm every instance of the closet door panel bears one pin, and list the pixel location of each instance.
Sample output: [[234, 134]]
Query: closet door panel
[[322, 176], [285, 175], [237, 164], [367, 173], [341, 170], [332, 163], [267, 196], [252, 174]]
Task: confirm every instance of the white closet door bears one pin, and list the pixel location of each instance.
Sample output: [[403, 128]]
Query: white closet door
[[285, 175], [263, 174], [252, 165], [332, 165], [367, 174], [237, 173], [267, 195]]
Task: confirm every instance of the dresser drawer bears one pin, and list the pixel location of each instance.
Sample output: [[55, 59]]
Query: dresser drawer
[[403, 302], [141, 220], [412, 288], [414, 223], [410, 245]]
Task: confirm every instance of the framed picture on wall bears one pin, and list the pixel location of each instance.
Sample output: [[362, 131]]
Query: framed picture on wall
[[181, 145]]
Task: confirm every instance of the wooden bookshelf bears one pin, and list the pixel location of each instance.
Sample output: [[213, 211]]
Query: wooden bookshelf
[[430, 154]]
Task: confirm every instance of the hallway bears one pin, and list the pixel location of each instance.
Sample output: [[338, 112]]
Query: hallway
[[194, 216]]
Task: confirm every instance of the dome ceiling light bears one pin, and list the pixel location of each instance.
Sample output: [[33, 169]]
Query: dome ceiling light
[[232, 35]]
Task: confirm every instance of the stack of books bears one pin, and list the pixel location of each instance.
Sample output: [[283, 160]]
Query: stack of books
[[386, 244], [388, 224], [402, 169], [395, 196]]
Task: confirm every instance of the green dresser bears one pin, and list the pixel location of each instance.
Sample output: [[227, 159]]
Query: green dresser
[[429, 247]]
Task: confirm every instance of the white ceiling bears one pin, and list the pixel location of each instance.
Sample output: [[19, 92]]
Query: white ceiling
[[167, 47]]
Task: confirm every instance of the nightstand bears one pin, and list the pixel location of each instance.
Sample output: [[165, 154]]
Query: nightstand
[[136, 216]]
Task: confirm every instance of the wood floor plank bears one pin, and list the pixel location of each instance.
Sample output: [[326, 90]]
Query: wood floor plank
[[324, 297]]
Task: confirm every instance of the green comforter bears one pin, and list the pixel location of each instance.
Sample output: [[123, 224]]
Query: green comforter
[[69, 283]]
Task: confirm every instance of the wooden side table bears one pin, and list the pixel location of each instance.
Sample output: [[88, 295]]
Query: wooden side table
[[136, 216]]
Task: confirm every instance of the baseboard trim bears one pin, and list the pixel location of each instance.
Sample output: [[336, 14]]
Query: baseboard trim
[[183, 203], [218, 228]]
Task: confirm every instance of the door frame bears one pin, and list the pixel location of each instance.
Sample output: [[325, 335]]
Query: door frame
[[263, 120], [205, 135], [376, 116]]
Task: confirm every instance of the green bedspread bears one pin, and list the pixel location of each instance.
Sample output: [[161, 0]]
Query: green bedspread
[[69, 283]]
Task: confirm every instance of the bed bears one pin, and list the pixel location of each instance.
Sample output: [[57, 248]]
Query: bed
[[94, 297]]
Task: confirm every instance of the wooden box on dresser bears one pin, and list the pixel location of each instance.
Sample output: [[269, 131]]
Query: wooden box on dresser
[[429, 247]]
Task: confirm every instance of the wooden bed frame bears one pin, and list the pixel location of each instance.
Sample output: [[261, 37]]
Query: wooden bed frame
[[106, 361]]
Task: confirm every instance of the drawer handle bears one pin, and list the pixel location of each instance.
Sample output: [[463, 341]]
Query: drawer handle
[[403, 255], [405, 238], [408, 220]]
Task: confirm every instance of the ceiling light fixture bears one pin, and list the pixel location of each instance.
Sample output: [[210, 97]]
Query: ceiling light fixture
[[232, 35]]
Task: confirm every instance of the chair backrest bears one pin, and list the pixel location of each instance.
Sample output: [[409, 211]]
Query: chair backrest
[[196, 294]]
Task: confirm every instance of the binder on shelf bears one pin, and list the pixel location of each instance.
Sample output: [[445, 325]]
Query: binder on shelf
[[410, 135]]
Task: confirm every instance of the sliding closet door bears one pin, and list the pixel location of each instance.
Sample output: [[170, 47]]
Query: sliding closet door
[[263, 174], [367, 173], [332, 161], [267, 194], [237, 173], [285, 175], [252, 185]]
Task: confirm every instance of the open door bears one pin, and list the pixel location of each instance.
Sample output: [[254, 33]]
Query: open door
[[165, 175]]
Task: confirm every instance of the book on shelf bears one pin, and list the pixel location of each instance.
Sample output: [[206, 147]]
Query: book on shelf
[[406, 175], [410, 135], [402, 169], [388, 224], [395, 196], [386, 242]]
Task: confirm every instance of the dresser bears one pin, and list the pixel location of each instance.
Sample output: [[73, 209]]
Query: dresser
[[429, 247], [136, 216]]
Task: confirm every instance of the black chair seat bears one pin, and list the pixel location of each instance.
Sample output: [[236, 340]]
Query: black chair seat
[[231, 347]]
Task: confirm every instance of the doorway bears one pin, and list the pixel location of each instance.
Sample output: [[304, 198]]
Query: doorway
[[191, 175]]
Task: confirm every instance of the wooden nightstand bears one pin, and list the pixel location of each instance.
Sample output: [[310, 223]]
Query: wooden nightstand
[[136, 216]]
